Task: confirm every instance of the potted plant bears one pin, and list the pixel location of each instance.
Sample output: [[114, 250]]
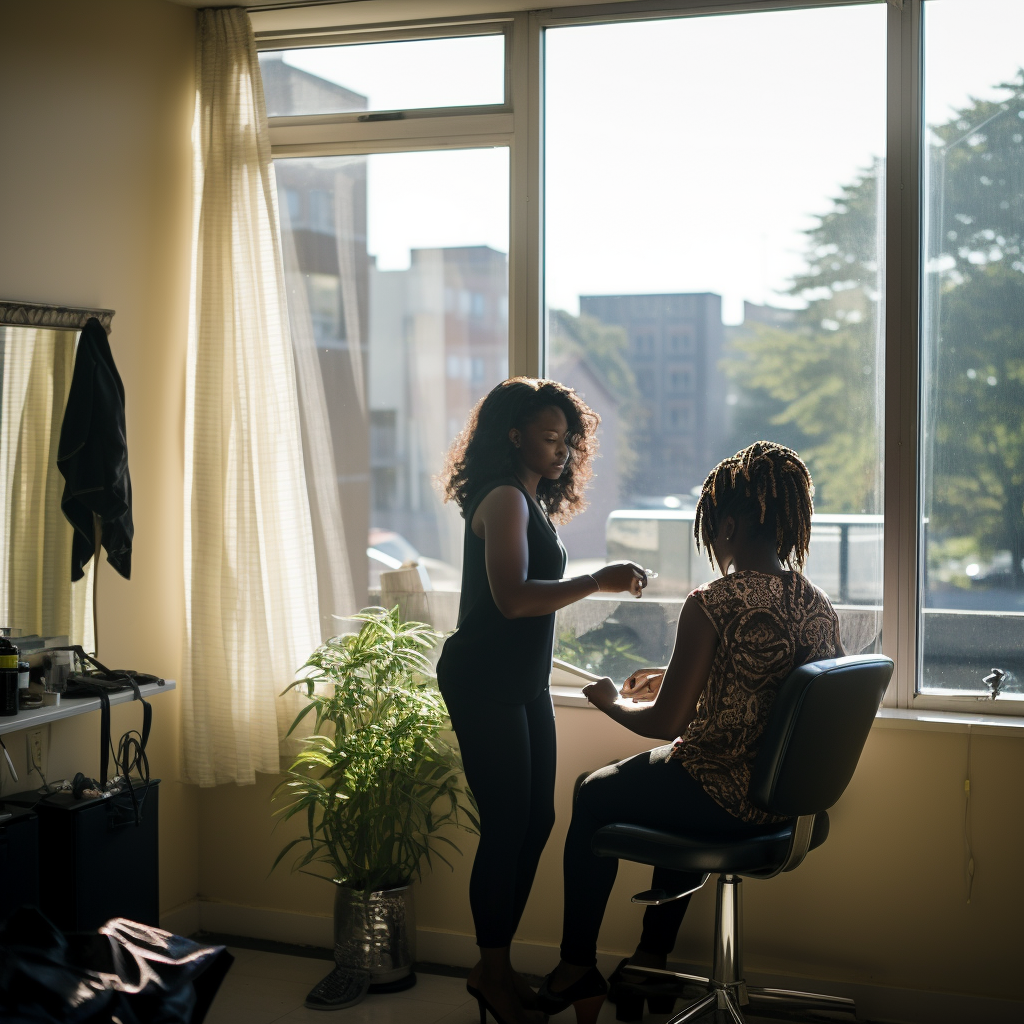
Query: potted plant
[[376, 784]]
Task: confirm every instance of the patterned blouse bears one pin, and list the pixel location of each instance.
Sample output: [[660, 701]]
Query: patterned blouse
[[767, 625]]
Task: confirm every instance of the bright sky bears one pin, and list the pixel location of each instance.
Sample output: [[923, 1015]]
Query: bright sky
[[440, 198], [970, 46], [702, 145], [682, 155], [464, 71]]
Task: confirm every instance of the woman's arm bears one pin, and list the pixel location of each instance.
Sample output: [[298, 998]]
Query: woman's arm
[[685, 678], [501, 520]]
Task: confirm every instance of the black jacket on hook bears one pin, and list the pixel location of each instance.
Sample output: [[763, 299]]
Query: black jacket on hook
[[93, 456]]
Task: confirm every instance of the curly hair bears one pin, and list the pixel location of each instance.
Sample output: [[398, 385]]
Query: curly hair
[[483, 451], [768, 485]]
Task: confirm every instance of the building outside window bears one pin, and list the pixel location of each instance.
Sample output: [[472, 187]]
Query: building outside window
[[748, 289]]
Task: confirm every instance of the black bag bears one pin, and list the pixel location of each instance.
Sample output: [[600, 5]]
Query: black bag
[[128, 971]]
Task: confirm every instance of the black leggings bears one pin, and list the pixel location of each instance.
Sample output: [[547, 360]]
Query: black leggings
[[648, 789], [508, 751]]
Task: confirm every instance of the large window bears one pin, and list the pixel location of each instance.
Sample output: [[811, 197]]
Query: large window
[[803, 224], [972, 382], [713, 270], [397, 269]]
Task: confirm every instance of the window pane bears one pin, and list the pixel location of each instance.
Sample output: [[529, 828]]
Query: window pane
[[397, 274], [712, 278], [464, 71], [972, 384]]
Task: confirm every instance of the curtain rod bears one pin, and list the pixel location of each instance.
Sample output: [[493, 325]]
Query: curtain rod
[[288, 4]]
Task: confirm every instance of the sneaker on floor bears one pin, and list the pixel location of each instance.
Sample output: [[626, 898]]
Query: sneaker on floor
[[343, 987]]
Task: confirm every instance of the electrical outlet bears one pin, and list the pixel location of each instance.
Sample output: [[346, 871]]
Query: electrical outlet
[[35, 751]]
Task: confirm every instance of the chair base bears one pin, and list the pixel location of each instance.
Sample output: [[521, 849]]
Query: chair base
[[726, 989], [787, 1004], [790, 1003]]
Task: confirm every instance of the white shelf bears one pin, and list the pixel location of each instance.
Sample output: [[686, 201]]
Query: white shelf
[[33, 717]]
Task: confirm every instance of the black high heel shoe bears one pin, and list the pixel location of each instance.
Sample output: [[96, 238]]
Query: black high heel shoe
[[484, 1006], [615, 981], [628, 996], [586, 996]]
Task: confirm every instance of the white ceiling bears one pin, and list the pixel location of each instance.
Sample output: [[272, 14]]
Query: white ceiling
[[232, 3], [354, 12], [224, 3]]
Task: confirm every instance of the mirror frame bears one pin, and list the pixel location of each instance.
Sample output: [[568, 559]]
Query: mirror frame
[[44, 315]]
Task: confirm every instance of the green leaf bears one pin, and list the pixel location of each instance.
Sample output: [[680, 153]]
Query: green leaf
[[376, 782], [301, 715], [284, 852]]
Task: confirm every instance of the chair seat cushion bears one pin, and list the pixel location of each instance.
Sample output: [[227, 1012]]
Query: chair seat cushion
[[760, 852]]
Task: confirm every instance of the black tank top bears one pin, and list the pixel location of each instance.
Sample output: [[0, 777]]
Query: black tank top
[[507, 660]]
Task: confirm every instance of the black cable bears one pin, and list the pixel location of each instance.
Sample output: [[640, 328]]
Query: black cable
[[129, 757]]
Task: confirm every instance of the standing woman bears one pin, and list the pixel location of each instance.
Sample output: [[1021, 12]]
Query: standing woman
[[518, 467]]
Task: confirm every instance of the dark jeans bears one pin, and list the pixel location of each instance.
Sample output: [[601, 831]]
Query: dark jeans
[[650, 790], [508, 751]]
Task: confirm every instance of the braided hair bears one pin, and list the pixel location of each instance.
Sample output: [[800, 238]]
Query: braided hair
[[769, 486]]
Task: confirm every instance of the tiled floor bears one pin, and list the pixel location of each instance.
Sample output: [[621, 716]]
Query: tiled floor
[[265, 987]]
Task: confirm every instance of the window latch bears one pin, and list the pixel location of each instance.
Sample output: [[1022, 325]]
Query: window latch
[[995, 681]]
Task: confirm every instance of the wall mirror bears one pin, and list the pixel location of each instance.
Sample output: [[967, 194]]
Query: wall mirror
[[37, 357]]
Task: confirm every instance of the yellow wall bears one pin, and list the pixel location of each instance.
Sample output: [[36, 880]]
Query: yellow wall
[[883, 902], [95, 120]]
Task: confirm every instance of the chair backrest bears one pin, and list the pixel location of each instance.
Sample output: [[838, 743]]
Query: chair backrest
[[817, 728]]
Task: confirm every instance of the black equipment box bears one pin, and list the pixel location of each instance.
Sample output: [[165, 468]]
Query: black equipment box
[[19, 859], [95, 862]]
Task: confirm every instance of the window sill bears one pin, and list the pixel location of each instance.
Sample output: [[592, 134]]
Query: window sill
[[569, 697], [887, 718], [949, 721]]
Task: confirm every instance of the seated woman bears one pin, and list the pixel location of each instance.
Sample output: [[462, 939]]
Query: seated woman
[[737, 638]]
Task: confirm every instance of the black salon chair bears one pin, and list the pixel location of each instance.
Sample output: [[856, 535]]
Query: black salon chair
[[810, 748]]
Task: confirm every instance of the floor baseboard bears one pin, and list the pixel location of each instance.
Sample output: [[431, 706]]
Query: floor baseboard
[[183, 920], [877, 1003], [262, 923]]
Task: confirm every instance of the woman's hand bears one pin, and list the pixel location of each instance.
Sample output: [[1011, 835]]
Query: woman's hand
[[619, 576], [643, 684], [601, 694]]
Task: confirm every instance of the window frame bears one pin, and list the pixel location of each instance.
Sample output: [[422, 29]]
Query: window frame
[[308, 39], [518, 125]]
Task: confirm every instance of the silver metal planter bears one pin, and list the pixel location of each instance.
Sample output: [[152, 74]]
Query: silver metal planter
[[375, 932]]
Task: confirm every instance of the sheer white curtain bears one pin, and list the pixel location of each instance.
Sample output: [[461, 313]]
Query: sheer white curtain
[[252, 614], [334, 574]]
